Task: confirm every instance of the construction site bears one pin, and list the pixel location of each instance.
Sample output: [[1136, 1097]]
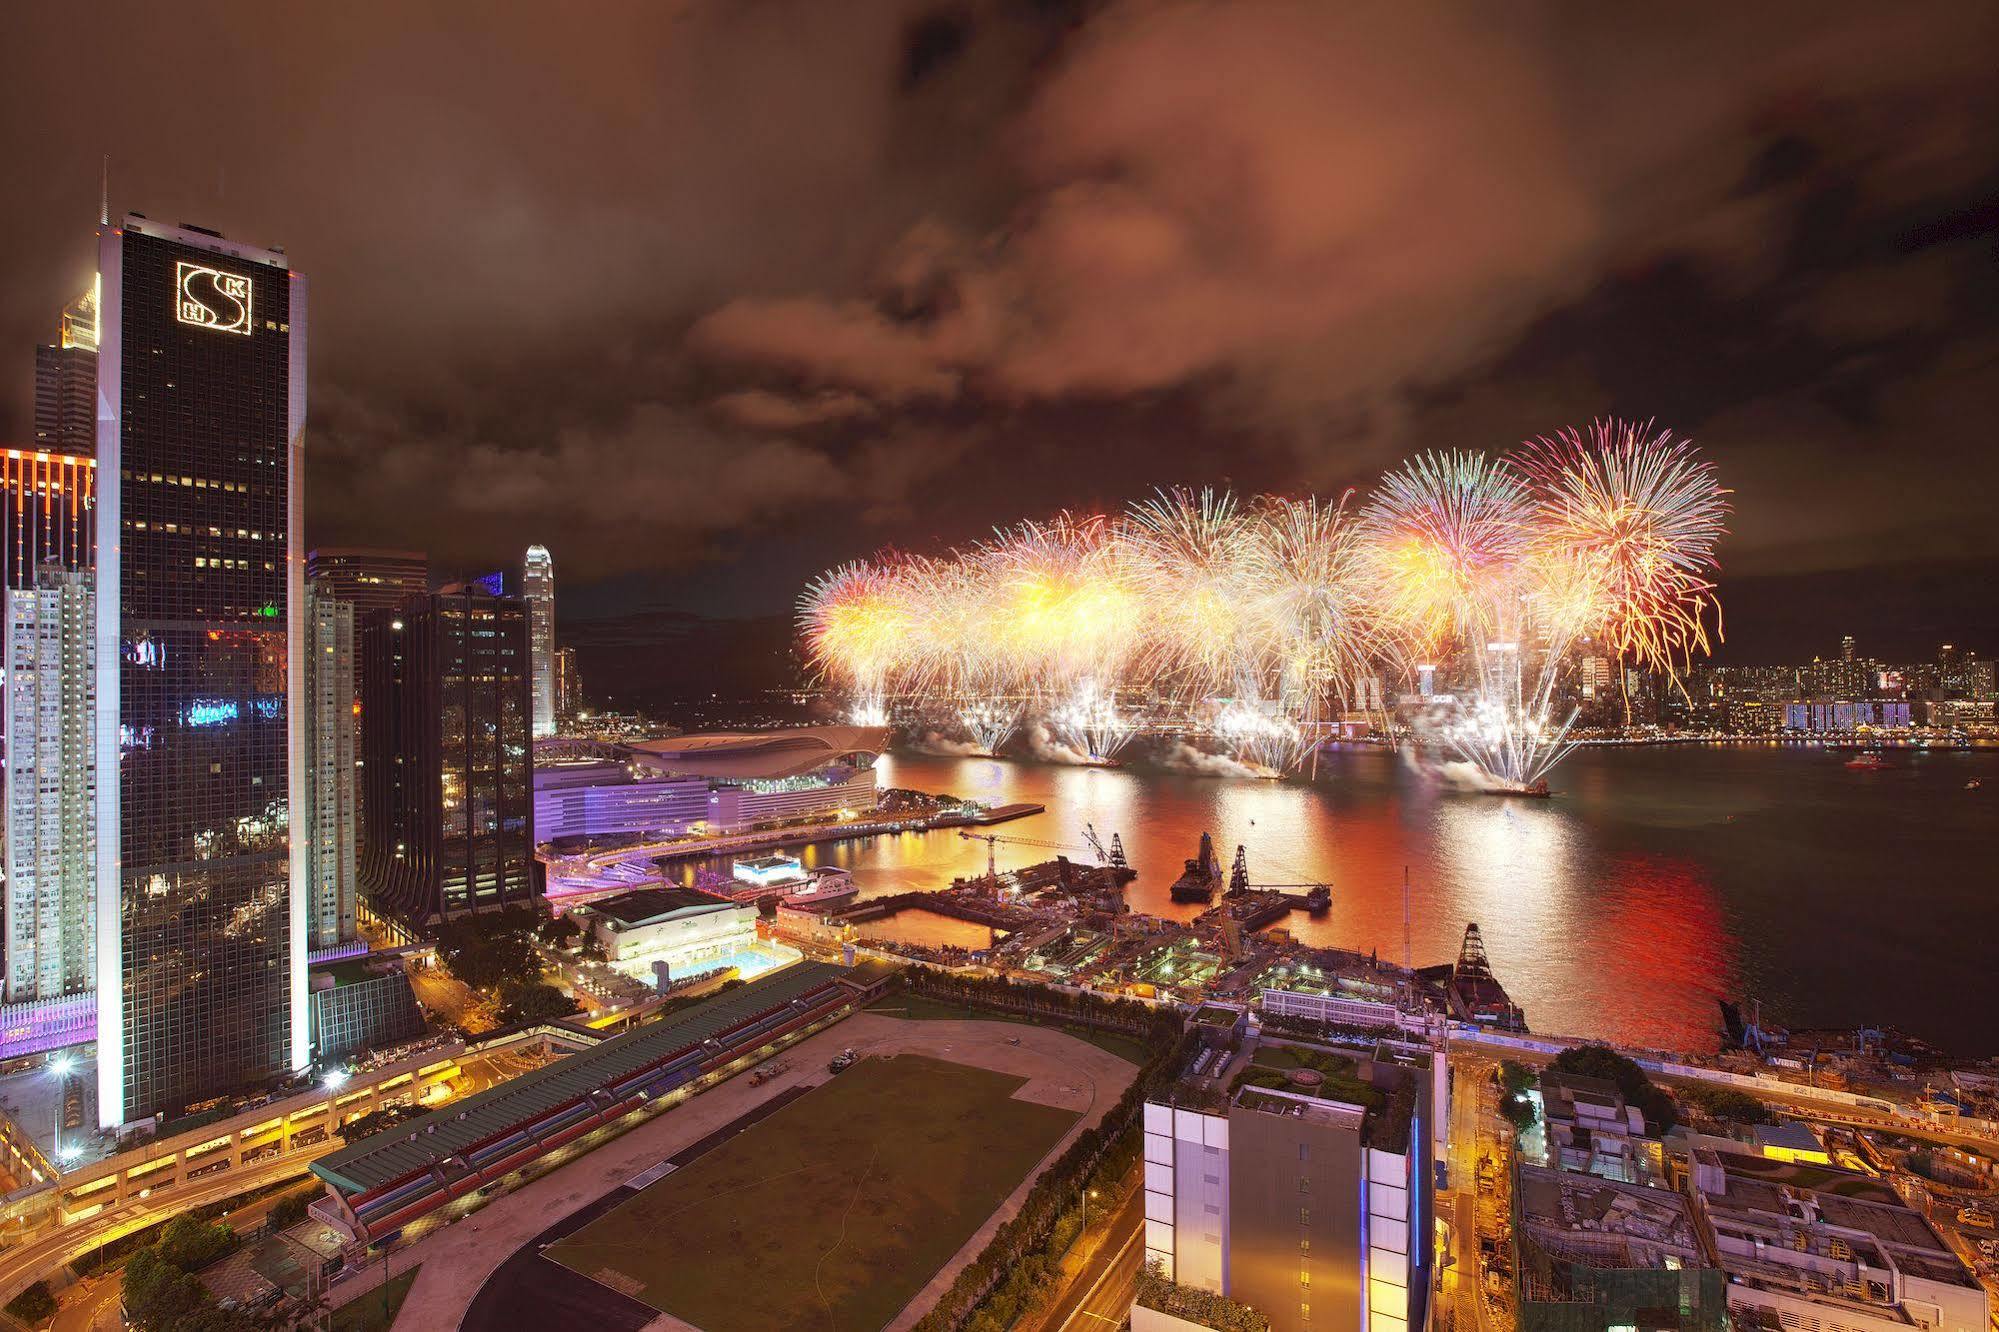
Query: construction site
[[1066, 921]]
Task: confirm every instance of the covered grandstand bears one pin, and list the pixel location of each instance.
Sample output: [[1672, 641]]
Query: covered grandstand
[[387, 1180]]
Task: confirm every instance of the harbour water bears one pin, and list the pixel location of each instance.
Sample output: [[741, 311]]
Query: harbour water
[[1657, 881]]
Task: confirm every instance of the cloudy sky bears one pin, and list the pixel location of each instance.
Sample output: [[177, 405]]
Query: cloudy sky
[[706, 296]]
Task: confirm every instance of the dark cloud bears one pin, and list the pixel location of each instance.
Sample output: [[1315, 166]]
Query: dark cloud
[[668, 288]]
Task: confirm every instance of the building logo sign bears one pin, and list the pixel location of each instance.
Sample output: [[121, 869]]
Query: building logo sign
[[210, 298]]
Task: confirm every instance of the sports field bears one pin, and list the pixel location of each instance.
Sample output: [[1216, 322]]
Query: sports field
[[831, 1213]]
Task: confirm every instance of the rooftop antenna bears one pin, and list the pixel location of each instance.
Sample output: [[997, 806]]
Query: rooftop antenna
[[104, 192]]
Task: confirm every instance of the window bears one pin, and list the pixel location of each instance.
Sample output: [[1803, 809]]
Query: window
[[1304, 1152], [1304, 1313], [1305, 1278], [1304, 1183], [1304, 1216]]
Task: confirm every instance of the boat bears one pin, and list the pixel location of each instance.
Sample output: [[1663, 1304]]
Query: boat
[[1203, 875], [1973, 784], [1868, 760], [1527, 790], [826, 885], [1319, 899]]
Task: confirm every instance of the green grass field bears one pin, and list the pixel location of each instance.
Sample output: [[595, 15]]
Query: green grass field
[[843, 1203]]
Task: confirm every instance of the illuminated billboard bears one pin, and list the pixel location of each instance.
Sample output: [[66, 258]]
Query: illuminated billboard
[[210, 298]]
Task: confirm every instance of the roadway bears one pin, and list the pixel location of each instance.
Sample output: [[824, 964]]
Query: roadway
[[27, 1262], [1091, 1298], [1101, 1296], [1801, 1104]]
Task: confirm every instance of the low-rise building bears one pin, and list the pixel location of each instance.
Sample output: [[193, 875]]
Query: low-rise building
[[1598, 1254], [1590, 1129], [669, 932], [1815, 1260]]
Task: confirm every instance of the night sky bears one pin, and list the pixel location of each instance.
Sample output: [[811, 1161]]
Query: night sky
[[707, 296]]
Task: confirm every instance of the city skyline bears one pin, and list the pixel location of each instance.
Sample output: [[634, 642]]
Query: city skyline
[[1772, 274]]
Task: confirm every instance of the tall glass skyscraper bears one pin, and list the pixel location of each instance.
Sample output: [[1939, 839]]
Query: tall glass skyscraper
[[202, 920], [538, 587]]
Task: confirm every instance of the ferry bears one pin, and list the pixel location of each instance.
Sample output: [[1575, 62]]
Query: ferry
[[823, 887], [1868, 760]]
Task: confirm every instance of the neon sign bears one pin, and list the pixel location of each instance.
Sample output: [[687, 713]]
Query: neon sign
[[210, 712], [210, 298]]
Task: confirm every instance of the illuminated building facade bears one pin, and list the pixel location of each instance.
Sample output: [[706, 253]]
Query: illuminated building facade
[[369, 579], [538, 586], [51, 787], [446, 756], [328, 817], [48, 514], [66, 383], [568, 687], [202, 927]]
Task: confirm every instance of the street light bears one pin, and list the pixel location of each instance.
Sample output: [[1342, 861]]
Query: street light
[[61, 1066]]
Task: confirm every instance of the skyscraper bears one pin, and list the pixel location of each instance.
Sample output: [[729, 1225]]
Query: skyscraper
[[48, 514], [446, 771], [538, 587], [367, 578], [568, 686], [66, 383], [51, 786], [328, 818], [202, 925]]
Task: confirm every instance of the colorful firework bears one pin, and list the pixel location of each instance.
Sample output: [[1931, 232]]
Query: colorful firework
[[1260, 623]]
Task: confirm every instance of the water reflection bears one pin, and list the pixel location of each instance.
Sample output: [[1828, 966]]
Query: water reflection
[[1657, 881]]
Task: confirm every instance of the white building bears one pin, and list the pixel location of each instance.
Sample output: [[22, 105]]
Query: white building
[[684, 930], [710, 783], [329, 815], [538, 588], [51, 787]]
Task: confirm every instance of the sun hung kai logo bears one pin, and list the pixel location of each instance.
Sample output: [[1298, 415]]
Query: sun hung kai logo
[[210, 298]]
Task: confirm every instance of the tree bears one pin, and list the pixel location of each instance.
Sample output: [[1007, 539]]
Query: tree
[[33, 1304], [157, 1294], [188, 1244], [558, 931], [533, 1003], [290, 1210], [1726, 1103], [1600, 1061], [485, 952]]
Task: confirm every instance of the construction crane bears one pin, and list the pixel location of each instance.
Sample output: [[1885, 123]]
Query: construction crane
[[992, 841], [1112, 856]]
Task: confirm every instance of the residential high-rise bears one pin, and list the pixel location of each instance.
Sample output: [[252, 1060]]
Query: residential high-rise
[[48, 514], [51, 786], [66, 383], [446, 769], [367, 578], [202, 920], [328, 816], [538, 587], [568, 686]]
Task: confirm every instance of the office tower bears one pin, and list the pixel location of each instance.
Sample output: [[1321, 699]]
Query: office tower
[[328, 817], [568, 686], [1426, 680], [66, 383], [538, 586], [1596, 677], [446, 756], [51, 786], [367, 578], [1846, 648], [48, 514], [1294, 1176], [201, 936]]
